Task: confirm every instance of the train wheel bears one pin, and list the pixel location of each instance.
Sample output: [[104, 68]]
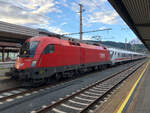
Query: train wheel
[[15, 77], [81, 71], [99, 67], [95, 68], [58, 76]]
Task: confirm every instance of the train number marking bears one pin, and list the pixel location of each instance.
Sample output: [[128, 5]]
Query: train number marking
[[102, 55]]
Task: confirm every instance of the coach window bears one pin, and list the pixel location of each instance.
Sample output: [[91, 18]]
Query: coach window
[[124, 55], [121, 55], [49, 49]]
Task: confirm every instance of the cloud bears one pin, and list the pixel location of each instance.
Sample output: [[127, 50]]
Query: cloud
[[92, 5], [55, 30], [46, 6], [64, 23], [102, 28], [51, 28], [88, 5], [75, 7], [31, 13], [35, 6], [97, 11], [35, 13], [64, 3], [16, 15], [86, 38], [106, 17], [27, 11]]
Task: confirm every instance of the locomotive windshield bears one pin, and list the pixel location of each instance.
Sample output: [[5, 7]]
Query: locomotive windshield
[[28, 49]]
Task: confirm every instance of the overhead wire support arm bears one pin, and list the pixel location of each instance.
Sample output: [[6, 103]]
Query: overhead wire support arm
[[89, 31]]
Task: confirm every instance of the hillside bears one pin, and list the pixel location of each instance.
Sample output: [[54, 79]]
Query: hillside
[[128, 46], [133, 47]]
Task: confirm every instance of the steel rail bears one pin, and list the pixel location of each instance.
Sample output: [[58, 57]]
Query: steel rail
[[53, 105], [86, 108]]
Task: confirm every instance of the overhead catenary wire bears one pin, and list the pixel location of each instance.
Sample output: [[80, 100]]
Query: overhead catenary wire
[[80, 33], [89, 31]]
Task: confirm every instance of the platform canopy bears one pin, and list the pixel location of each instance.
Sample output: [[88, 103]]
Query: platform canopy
[[15, 33], [136, 13], [9, 49], [8, 44], [18, 34]]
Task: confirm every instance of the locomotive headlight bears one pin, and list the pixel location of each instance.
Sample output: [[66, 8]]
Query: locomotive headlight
[[33, 63]]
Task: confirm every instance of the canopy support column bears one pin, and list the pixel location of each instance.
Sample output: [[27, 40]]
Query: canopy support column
[[3, 53]]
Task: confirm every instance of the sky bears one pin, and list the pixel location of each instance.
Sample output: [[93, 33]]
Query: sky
[[62, 16]]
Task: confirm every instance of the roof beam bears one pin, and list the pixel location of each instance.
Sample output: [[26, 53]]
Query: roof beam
[[146, 39], [123, 12], [15, 40], [143, 25]]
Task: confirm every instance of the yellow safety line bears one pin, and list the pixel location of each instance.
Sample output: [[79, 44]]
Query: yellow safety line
[[131, 91]]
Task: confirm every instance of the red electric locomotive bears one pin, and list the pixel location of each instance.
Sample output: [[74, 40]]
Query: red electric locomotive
[[43, 57]]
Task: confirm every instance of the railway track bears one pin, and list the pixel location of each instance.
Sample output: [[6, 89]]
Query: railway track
[[19, 92], [9, 94], [82, 100]]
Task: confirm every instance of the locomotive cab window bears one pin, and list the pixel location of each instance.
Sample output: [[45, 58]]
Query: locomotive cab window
[[28, 49], [49, 49]]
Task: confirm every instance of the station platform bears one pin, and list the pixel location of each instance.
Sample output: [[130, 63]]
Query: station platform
[[5, 67], [140, 99], [132, 96], [7, 64]]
